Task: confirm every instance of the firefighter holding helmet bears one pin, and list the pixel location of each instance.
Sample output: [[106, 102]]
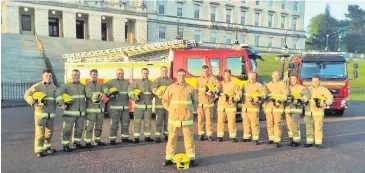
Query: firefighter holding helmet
[[42, 97], [71, 98], [254, 94], [158, 88], [116, 92], [320, 98]]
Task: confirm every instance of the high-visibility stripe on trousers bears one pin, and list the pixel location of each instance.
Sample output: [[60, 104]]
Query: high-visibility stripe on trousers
[[250, 121], [314, 125], [43, 133], [188, 138], [230, 113]]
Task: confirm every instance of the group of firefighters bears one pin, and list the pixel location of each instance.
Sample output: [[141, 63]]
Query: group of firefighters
[[175, 104]]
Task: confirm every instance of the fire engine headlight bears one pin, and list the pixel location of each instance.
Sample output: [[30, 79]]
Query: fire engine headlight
[[344, 103]]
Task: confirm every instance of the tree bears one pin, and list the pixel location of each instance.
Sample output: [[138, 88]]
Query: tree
[[355, 36], [319, 27]]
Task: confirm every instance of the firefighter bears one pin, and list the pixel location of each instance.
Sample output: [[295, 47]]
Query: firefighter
[[207, 88], [274, 108], [298, 97], [94, 110], [140, 92], [74, 110], [116, 91], [158, 88], [320, 98], [254, 93], [44, 112], [180, 99], [230, 94]]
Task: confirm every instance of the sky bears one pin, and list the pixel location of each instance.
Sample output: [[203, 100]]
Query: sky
[[338, 8]]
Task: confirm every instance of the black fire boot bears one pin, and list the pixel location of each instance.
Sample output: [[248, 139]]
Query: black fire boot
[[112, 142], [220, 139], [201, 138], [136, 140], [88, 145], [66, 148], [148, 139]]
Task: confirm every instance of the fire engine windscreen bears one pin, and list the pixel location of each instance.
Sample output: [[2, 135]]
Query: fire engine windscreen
[[326, 70]]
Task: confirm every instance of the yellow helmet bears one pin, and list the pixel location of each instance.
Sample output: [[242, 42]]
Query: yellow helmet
[[96, 97], [253, 95], [182, 161], [67, 99], [39, 98], [137, 93], [297, 95], [209, 88], [160, 91], [229, 95], [112, 92], [318, 100]]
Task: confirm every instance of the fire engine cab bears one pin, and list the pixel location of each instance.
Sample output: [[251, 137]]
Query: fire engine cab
[[332, 70], [179, 54]]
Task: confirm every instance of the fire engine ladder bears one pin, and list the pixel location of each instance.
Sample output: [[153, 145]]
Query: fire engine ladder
[[134, 53]]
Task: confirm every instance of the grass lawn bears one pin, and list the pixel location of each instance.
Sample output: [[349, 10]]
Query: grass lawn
[[357, 86]]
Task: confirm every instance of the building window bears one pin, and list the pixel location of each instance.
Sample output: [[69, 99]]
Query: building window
[[197, 35], [181, 33], [269, 42], [270, 3], [162, 32], [294, 24], [213, 37], [257, 2], [228, 16], [257, 40], [282, 22], [196, 11], [26, 23], [243, 2], [294, 43], [257, 19], [283, 4], [243, 17], [212, 14], [270, 20], [228, 39], [242, 39], [282, 42], [161, 7], [295, 6], [179, 9]]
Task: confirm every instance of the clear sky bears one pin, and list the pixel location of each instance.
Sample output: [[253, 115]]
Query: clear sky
[[338, 8]]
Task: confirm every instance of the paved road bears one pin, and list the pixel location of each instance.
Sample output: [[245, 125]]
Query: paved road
[[344, 141]]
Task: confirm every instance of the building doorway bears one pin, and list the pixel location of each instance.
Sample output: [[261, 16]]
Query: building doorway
[[104, 31], [53, 27], [80, 34]]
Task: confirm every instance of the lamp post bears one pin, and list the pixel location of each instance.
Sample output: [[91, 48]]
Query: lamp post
[[286, 36], [326, 49], [339, 44]]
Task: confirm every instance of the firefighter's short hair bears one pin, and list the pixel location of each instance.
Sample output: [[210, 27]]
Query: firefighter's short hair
[[316, 76], [205, 67], [93, 71], [47, 70], [144, 69], [228, 71], [181, 70], [163, 67], [76, 70]]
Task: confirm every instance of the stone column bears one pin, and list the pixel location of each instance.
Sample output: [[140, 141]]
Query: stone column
[[95, 27], [41, 21], [141, 31], [12, 20], [119, 29], [69, 24]]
